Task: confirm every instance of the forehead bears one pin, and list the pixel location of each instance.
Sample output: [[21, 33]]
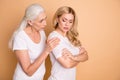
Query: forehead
[[68, 16], [42, 15]]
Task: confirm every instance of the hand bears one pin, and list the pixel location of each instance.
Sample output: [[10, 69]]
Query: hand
[[51, 44], [83, 56], [82, 50], [66, 53]]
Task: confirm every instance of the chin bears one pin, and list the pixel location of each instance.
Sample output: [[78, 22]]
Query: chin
[[40, 29], [65, 31]]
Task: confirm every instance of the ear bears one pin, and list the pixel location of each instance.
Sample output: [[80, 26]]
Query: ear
[[30, 22], [57, 20]]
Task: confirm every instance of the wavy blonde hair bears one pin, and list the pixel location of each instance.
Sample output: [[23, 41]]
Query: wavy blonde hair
[[72, 34]]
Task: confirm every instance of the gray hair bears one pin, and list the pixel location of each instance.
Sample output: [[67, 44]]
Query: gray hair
[[31, 13]]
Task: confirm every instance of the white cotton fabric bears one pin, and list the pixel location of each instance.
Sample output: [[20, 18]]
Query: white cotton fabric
[[23, 42], [58, 72]]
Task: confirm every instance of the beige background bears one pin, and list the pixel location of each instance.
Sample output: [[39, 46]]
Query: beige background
[[99, 28]]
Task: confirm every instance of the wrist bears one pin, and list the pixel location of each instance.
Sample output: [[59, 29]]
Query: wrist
[[76, 58], [46, 52], [73, 57]]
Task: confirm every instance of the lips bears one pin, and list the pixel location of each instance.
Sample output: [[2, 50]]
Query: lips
[[66, 28]]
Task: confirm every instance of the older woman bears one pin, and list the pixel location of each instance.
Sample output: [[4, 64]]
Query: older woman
[[29, 45]]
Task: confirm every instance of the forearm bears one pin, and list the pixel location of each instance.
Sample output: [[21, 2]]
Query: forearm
[[31, 69], [71, 63], [50, 45], [75, 58], [80, 57], [67, 62]]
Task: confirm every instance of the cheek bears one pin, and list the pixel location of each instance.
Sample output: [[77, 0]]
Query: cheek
[[71, 25], [37, 24], [62, 23]]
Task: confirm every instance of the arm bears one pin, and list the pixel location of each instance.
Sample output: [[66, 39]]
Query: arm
[[68, 60], [81, 57], [24, 60]]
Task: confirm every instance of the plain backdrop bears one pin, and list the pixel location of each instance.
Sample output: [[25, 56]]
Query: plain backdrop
[[99, 29]]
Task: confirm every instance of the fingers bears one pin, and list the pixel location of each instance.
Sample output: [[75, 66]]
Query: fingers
[[65, 52], [82, 50], [53, 40], [52, 43]]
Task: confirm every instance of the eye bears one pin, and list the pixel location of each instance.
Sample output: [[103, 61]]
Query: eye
[[63, 20], [41, 21], [70, 22]]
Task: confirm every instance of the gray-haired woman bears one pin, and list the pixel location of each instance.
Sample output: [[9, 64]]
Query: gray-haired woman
[[30, 46]]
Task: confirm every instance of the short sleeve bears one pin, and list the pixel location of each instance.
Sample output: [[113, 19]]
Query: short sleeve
[[19, 43], [57, 51]]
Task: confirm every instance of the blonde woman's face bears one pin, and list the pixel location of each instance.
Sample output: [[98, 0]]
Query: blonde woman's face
[[40, 22], [65, 22]]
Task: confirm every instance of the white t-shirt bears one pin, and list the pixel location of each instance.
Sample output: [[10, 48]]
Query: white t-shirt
[[58, 72], [23, 42]]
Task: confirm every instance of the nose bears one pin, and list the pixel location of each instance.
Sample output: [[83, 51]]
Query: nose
[[67, 23], [45, 23]]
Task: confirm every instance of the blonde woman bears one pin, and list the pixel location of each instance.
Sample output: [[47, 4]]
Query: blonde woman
[[69, 52], [29, 45]]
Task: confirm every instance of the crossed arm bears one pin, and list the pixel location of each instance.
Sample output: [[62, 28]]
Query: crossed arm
[[68, 60]]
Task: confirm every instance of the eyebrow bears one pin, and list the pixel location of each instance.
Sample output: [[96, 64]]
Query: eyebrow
[[43, 18], [67, 19]]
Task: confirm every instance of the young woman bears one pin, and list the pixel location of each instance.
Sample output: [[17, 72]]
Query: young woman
[[30, 46], [68, 53]]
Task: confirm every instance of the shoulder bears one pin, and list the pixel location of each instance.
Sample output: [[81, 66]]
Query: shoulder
[[53, 34], [20, 37], [20, 34], [42, 32]]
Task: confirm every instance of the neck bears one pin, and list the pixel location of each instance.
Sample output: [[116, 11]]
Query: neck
[[33, 34], [61, 32], [32, 30]]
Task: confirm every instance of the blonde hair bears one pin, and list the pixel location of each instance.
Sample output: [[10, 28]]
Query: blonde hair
[[31, 13], [72, 34]]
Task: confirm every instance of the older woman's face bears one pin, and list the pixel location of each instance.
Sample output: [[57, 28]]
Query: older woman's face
[[40, 22]]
